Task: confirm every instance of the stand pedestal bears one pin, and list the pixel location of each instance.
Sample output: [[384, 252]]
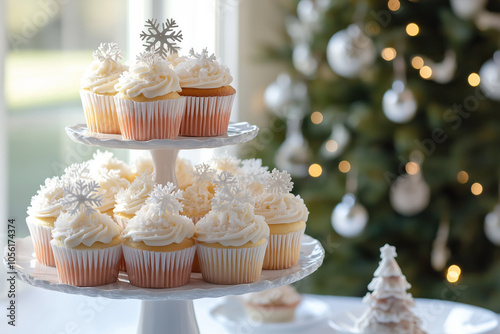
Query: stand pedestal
[[167, 316], [164, 163]]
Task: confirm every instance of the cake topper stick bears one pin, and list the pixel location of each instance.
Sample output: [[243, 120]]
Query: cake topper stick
[[161, 40]]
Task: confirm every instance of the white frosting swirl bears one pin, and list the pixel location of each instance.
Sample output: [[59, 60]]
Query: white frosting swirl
[[107, 160], [197, 199], [131, 199], [158, 230], [184, 172], [281, 208], [151, 80], [110, 184], [234, 227], [47, 201], [102, 76], [73, 230]]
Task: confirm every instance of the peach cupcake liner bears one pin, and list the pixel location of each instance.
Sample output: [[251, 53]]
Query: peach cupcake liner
[[206, 116], [100, 112], [150, 269], [196, 264], [150, 120], [283, 250], [231, 265], [41, 236], [89, 267]]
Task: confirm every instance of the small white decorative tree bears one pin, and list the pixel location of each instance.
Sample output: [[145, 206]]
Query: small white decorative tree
[[389, 304]]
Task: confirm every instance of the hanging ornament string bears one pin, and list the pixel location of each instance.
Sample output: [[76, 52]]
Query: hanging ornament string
[[440, 252]]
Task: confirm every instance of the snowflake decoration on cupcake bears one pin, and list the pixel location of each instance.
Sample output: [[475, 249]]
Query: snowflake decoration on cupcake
[[229, 193], [225, 179], [203, 55], [161, 40], [81, 195], [279, 182], [108, 51], [77, 171], [203, 172], [253, 171], [164, 199]]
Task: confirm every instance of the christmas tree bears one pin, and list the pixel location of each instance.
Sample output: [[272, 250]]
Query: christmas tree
[[389, 304], [392, 134]]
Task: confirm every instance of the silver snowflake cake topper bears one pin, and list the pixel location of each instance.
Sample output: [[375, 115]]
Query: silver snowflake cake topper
[[279, 182], [161, 40], [203, 172], [164, 199], [107, 51], [81, 195], [203, 55], [229, 193]]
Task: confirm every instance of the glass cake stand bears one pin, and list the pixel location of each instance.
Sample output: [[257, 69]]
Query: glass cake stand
[[165, 310]]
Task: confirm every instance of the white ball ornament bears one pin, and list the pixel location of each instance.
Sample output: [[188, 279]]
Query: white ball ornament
[[336, 143], [399, 104], [349, 218], [490, 77], [303, 59], [350, 51], [410, 194], [492, 225], [467, 9]]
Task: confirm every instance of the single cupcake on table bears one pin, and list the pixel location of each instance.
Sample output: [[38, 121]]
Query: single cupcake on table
[[231, 239], [206, 85], [148, 103], [286, 215], [273, 305], [98, 89], [158, 242], [42, 213], [86, 243]]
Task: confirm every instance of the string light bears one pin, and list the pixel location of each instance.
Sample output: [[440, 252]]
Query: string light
[[453, 273], [476, 188], [331, 145], [412, 29], [426, 72], [474, 79], [417, 62], [462, 177], [412, 168], [316, 117], [315, 170], [389, 54], [344, 166], [394, 5]]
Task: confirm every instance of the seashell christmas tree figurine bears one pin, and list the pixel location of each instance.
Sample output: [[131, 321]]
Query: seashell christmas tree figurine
[[389, 304]]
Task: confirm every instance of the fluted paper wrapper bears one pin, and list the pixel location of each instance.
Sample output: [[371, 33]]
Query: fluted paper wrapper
[[150, 120], [206, 116], [41, 236], [150, 269], [283, 250], [89, 267], [231, 266], [100, 112]]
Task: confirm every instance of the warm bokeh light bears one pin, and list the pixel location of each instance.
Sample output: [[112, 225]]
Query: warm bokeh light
[[412, 168], [474, 79], [412, 29], [331, 145], [476, 188], [315, 170], [426, 72], [344, 166], [389, 54], [462, 177], [316, 117], [394, 5], [453, 273], [417, 62]]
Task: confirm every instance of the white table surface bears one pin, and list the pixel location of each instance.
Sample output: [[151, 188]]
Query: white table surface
[[50, 312]]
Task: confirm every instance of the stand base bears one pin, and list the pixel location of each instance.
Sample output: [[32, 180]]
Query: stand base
[[167, 316]]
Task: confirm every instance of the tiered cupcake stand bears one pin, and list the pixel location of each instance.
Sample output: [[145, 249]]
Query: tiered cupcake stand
[[165, 310]]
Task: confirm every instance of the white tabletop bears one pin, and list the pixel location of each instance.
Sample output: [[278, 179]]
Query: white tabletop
[[44, 311]]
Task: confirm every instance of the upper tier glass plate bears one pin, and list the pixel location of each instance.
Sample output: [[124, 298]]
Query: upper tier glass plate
[[237, 133], [29, 270]]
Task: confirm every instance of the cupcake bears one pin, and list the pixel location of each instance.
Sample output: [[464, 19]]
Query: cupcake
[[253, 176], [158, 242], [286, 216], [107, 160], [97, 89], [226, 163], [206, 85], [129, 200], [273, 305], [42, 213], [147, 102], [142, 164], [231, 239], [86, 243], [197, 198]]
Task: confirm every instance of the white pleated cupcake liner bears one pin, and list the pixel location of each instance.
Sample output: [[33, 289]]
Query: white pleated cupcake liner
[[283, 250], [100, 112], [150, 120], [231, 266], [41, 236], [149, 269], [206, 116], [89, 267]]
